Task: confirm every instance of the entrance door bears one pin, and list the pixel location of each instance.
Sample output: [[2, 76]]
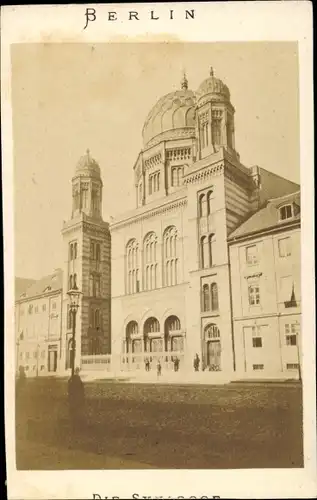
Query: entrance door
[[52, 360], [214, 354]]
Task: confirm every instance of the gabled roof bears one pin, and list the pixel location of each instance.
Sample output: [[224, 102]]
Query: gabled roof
[[268, 216], [47, 284]]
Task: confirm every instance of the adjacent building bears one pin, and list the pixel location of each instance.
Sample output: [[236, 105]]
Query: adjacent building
[[266, 290], [38, 321]]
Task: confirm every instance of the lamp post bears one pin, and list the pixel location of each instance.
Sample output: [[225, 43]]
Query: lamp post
[[74, 296]]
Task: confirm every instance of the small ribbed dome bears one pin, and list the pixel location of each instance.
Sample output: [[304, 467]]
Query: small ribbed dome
[[88, 165], [175, 110], [213, 85]]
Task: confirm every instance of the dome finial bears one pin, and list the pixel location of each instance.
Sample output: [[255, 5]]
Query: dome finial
[[184, 82], [211, 71]]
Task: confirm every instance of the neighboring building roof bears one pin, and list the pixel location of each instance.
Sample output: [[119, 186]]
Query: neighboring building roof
[[21, 284], [50, 283], [268, 216]]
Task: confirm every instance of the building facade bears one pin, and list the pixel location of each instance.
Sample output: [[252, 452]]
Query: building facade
[[266, 290], [207, 263], [38, 320], [171, 295]]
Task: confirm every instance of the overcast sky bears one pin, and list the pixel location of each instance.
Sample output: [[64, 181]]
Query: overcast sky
[[70, 97]]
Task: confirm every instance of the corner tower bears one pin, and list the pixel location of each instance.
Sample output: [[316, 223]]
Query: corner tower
[[215, 117], [87, 265]]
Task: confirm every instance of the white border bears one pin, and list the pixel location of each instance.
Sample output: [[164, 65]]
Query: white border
[[233, 21]]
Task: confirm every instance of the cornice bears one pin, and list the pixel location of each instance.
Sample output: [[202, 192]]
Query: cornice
[[161, 210]]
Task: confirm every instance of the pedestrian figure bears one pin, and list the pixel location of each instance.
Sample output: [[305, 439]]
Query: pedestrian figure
[[147, 365], [159, 369], [176, 364], [21, 380], [196, 363], [76, 400]]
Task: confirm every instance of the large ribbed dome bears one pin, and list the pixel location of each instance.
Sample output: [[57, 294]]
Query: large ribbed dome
[[87, 165], [213, 85], [173, 111]]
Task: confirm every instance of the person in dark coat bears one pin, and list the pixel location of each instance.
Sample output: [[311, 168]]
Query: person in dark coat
[[159, 369], [196, 363], [21, 380], [76, 399]]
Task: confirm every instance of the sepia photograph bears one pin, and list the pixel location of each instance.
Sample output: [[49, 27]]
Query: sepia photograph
[[157, 256], [159, 317]]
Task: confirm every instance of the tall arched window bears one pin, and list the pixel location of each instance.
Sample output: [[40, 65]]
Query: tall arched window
[[151, 325], [132, 267], [216, 131], [214, 296], [210, 249], [97, 318], [172, 324], [170, 256], [202, 205], [97, 250], [131, 329], [75, 281], [206, 298], [209, 197], [204, 254], [150, 261], [71, 282]]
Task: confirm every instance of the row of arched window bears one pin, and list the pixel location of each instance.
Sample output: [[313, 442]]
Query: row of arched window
[[205, 203], [210, 297], [150, 257], [154, 343]]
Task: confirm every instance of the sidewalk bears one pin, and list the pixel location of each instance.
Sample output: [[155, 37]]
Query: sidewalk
[[37, 456]]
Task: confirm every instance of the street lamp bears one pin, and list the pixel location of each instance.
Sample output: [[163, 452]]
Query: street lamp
[[74, 296]]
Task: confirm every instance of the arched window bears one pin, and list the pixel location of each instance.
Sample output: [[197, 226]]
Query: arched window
[[71, 252], [150, 326], [150, 261], [210, 249], [170, 256], [214, 296], [172, 324], [204, 255], [132, 267], [202, 205], [131, 329], [97, 318], [209, 198], [97, 251], [216, 131], [71, 282], [75, 251], [212, 331], [206, 298], [75, 281]]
